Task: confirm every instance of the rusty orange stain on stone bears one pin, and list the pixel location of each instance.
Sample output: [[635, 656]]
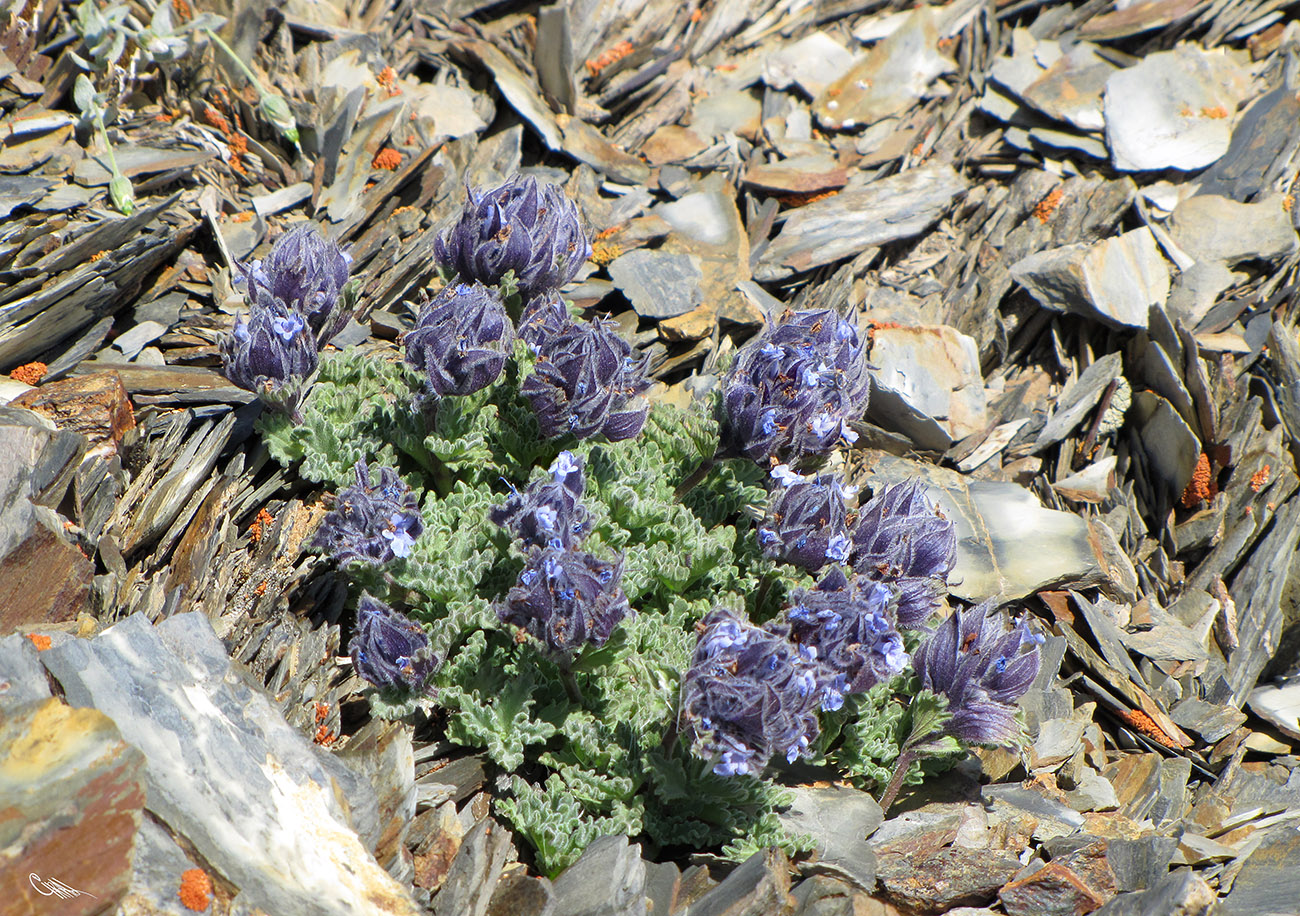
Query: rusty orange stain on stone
[[40, 641], [1214, 111]]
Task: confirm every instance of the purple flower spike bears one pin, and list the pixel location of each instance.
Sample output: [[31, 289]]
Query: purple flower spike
[[548, 513], [748, 695], [793, 390], [900, 537], [587, 381], [390, 650], [805, 523], [371, 524], [848, 629], [566, 598], [306, 272], [461, 340], [983, 668], [272, 353], [523, 226], [543, 316]]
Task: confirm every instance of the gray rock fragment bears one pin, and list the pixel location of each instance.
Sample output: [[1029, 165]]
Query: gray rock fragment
[[253, 795], [839, 819], [1279, 706], [22, 679], [1078, 400], [1093, 793], [1269, 882], [1212, 228], [1173, 109], [760, 885], [936, 369], [1141, 863], [839, 227], [659, 284], [474, 872], [1183, 892], [608, 880], [811, 63], [1171, 447], [1116, 280]]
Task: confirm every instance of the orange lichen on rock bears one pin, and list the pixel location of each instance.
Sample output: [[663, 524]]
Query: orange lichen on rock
[[1216, 112], [98, 256], [29, 373], [245, 217], [196, 890], [260, 524], [387, 78], [1139, 721], [1044, 209], [799, 200], [613, 55], [1260, 478], [387, 159], [324, 736], [40, 641], [604, 252], [1201, 486]]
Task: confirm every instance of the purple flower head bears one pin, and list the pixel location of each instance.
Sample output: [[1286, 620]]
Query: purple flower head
[[983, 668], [272, 353], [543, 316], [748, 695], [390, 650], [371, 524], [524, 226], [566, 598], [848, 628], [805, 523], [548, 511], [793, 389], [587, 381], [306, 272], [461, 340], [900, 537]]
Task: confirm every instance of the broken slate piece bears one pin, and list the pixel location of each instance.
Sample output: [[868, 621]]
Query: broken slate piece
[[936, 369], [1171, 447], [1181, 892], [659, 284], [839, 819], [946, 878], [1269, 882], [1071, 88], [842, 226], [761, 884], [1078, 400], [1116, 280], [608, 880], [1173, 109], [224, 769], [811, 63], [1211, 228], [1279, 706], [894, 74]]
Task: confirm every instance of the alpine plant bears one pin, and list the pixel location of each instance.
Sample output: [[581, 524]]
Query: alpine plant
[[390, 650], [461, 339], [371, 523]]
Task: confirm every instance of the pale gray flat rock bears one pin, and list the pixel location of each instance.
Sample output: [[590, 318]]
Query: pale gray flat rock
[[1279, 706], [1215, 229], [608, 880], [840, 819], [811, 63], [253, 795], [659, 284], [936, 369], [842, 226], [1173, 109], [1116, 280]]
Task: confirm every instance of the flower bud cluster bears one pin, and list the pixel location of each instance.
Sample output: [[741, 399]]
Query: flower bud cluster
[[748, 695], [564, 597], [297, 303], [792, 390], [983, 669], [898, 537], [390, 650], [371, 524], [525, 238]]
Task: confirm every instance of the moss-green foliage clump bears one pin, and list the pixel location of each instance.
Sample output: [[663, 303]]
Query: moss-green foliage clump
[[609, 762]]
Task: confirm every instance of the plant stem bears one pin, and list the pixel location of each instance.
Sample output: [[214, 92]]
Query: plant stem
[[570, 682], [243, 67], [905, 760], [693, 479]]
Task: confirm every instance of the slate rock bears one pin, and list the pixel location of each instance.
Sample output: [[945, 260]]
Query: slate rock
[[811, 63], [1173, 109], [1093, 793], [1279, 706], [1140, 863], [1170, 445], [22, 679], [1269, 883], [72, 795], [1116, 280], [1079, 398], [521, 895], [659, 284], [253, 795], [1182, 893], [842, 226], [1212, 721], [475, 871], [156, 872], [1210, 228], [936, 369], [1053, 890], [759, 886], [839, 819], [949, 877], [821, 895], [607, 880]]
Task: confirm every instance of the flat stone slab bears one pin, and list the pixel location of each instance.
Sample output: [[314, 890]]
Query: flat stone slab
[[252, 794]]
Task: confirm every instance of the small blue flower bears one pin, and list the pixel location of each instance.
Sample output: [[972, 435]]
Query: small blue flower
[[837, 548], [371, 523], [786, 476]]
